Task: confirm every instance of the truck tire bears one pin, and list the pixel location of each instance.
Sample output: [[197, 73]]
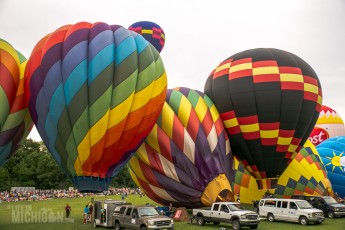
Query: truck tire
[[253, 227], [143, 228], [117, 226], [303, 220], [216, 222], [236, 225], [200, 221], [330, 214], [270, 217]]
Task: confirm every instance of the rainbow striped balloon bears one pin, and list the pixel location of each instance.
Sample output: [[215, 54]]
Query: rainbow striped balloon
[[186, 159], [15, 120], [95, 92]]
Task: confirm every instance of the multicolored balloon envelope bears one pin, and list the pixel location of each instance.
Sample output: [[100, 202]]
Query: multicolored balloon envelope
[[333, 156], [95, 92], [15, 120], [269, 101], [306, 174], [186, 159], [151, 32], [329, 124]]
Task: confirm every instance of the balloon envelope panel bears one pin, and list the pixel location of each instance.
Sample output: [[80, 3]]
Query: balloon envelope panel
[[15, 120], [94, 91], [186, 158], [328, 125], [151, 32], [269, 101], [306, 174], [332, 153]]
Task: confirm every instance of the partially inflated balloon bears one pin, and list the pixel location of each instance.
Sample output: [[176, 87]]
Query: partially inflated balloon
[[95, 92], [15, 120], [306, 174], [269, 101], [186, 159], [332, 152], [151, 32], [329, 124]]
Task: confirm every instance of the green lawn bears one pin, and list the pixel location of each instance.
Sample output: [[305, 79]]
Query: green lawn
[[49, 214]]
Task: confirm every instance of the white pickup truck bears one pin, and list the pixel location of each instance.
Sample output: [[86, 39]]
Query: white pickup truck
[[230, 212]]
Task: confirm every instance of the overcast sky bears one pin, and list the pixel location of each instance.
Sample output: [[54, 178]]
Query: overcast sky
[[201, 34]]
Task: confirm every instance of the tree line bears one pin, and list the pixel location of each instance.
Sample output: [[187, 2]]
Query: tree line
[[33, 166]]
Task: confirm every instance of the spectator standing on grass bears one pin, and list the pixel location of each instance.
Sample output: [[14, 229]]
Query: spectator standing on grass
[[68, 210], [86, 211]]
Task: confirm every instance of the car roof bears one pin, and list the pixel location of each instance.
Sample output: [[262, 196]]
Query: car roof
[[137, 206], [284, 199], [230, 202]]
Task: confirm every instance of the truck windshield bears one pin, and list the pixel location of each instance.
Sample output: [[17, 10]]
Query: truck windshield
[[330, 200], [235, 207], [303, 204], [148, 212]]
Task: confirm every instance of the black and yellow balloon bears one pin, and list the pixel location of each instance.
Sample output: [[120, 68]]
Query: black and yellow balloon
[[269, 101]]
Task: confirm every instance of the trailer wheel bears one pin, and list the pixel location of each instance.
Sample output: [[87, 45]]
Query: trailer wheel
[[117, 226]]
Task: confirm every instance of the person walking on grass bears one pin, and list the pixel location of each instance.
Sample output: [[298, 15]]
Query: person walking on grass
[[68, 210], [86, 211]]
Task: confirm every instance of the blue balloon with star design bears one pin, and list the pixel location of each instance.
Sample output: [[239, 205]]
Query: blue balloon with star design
[[332, 152]]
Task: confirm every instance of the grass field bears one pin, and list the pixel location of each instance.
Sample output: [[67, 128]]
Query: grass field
[[50, 215]]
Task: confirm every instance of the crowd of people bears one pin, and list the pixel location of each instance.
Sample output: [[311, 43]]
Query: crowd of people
[[39, 194]]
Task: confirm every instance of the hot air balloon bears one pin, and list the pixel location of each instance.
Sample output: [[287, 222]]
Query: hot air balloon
[[151, 32], [15, 120], [269, 101], [306, 174], [186, 158], [329, 124], [95, 92], [332, 152]]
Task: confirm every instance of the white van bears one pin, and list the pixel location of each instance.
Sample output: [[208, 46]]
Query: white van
[[290, 210]]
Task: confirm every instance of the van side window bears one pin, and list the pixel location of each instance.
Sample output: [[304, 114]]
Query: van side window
[[293, 205], [284, 204], [215, 207], [270, 203], [279, 204]]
